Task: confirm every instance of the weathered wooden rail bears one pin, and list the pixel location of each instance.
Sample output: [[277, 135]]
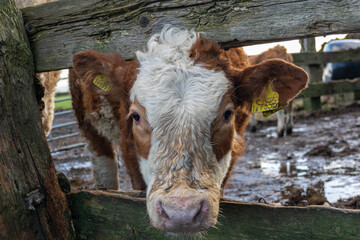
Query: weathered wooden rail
[[122, 215], [307, 58], [317, 88], [59, 29]]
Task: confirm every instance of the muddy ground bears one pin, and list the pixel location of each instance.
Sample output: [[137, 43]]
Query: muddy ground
[[321, 158]]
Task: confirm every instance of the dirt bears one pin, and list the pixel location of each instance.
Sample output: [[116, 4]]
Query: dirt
[[302, 198], [350, 203], [319, 162]]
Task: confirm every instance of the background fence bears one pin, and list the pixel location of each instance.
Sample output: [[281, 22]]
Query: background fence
[[64, 134]]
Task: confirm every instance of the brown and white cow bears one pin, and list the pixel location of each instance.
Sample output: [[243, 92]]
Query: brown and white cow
[[284, 116], [178, 115]]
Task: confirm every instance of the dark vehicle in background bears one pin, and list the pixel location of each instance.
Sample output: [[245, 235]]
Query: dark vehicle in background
[[341, 70]]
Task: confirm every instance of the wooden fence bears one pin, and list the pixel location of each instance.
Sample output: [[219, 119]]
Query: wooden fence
[[59, 29], [122, 215], [317, 88]]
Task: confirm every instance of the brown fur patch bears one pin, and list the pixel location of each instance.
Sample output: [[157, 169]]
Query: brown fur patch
[[238, 146], [100, 144], [275, 52], [86, 99], [246, 82], [285, 78], [141, 131], [230, 61], [222, 132], [236, 57], [207, 53]]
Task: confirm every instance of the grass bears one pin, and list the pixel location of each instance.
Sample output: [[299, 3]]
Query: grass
[[63, 105]]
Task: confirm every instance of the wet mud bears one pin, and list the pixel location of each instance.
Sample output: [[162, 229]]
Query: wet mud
[[318, 163]]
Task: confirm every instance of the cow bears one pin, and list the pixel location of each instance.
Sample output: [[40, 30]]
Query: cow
[[49, 81], [284, 116], [177, 115]]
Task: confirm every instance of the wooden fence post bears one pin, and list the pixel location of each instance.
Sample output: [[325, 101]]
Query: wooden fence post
[[314, 70], [32, 205]]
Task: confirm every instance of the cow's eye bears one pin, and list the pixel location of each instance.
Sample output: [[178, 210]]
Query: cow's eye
[[227, 115], [136, 117]]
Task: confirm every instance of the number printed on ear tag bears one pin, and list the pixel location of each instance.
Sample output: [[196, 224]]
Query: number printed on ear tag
[[267, 106], [268, 113], [102, 82]]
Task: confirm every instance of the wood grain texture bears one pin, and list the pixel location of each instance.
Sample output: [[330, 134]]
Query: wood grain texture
[[122, 215], [32, 205], [60, 29]]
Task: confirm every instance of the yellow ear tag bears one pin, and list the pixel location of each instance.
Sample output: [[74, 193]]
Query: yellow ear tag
[[268, 113], [268, 106], [102, 82]]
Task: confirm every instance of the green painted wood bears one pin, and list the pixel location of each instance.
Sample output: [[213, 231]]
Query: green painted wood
[[122, 215], [59, 29]]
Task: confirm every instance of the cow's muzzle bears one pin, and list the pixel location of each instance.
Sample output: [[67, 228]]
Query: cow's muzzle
[[182, 213]]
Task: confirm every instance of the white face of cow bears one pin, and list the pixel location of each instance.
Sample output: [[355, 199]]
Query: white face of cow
[[175, 103]]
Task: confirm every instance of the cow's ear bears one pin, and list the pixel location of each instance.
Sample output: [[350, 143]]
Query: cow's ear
[[282, 77], [89, 62], [99, 71]]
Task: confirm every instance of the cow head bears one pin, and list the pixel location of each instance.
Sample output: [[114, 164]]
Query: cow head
[[185, 102], [189, 105]]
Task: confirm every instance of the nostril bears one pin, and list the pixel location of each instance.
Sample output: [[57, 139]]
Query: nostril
[[202, 212], [161, 211]]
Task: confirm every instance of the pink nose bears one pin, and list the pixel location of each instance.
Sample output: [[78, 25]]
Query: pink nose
[[179, 214]]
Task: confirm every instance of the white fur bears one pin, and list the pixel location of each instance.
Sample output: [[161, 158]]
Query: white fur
[[105, 122], [281, 118], [224, 165], [105, 170], [144, 168], [289, 121], [181, 99]]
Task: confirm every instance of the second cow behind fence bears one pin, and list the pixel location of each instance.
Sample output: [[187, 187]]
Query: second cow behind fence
[[284, 116], [177, 116]]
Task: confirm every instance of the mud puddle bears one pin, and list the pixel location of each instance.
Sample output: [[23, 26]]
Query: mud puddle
[[323, 154]]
